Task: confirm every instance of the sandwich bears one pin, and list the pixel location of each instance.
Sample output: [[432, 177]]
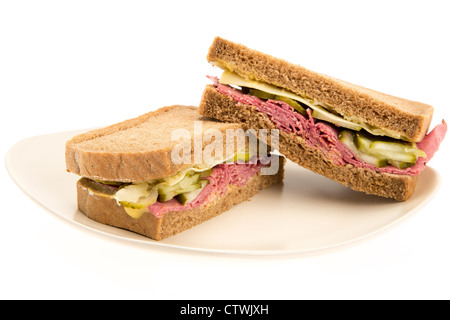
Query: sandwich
[[166, 171], [369, 141]]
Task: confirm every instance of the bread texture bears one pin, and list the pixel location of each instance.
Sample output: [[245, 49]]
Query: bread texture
[[295, 148], [408, 118], [138, 149], [106, 210]]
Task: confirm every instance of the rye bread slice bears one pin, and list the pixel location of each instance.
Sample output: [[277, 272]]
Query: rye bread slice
[[138, 149], [106, 210], [409, 118], [294, 147]]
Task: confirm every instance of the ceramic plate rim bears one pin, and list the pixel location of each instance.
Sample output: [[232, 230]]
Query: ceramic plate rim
[[145, 241]]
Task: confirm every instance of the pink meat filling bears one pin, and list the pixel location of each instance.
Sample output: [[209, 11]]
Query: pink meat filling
[[222, 176], [324, 136]]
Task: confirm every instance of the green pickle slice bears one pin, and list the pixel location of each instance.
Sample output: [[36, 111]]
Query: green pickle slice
[[265, 95], [187, 197], [189, 183], [260, 94], [205, 173], [379, 151], [400, 164], [184, 187], [292, 103], [348, 138], [397, 147]]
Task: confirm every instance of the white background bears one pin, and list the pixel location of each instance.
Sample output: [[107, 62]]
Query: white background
[[68, 65]]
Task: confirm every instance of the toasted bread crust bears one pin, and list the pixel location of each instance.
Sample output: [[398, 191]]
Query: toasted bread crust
[[138, 149], [408, 118], [106, 211], [294, 147]]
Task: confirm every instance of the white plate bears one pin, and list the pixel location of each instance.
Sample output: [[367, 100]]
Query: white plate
[[307, 213]]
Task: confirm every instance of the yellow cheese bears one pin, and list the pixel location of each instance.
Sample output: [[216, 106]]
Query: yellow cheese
[[320, 110]]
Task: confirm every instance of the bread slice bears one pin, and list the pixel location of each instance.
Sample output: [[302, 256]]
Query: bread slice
[[407, 118], [106, 210], [138, 149], [295, 148]]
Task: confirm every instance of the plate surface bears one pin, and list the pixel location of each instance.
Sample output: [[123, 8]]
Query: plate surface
[[307, 213]]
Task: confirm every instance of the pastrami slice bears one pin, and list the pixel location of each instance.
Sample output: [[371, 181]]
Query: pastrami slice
[[323, 136]]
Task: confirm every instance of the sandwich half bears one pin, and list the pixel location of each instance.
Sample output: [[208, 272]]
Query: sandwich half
[[132, 176], [370, 141]]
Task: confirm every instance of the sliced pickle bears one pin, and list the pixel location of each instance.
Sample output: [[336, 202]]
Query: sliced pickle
[[348, 138], [169, 194], [187, 197], [260, 94], [98, 188], [292, 103], [188, 184], [137, 197], [190, 173], [369, 149], [142, 202], [112, 183], [189, 188], [400, 164], [397, 147], [400, 157], [205, 173], [188, 181], [174, 179], [362, 142], [183, 198], [133, 192], [166, 196], [132, 205], [265, 95], [397, 151]]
